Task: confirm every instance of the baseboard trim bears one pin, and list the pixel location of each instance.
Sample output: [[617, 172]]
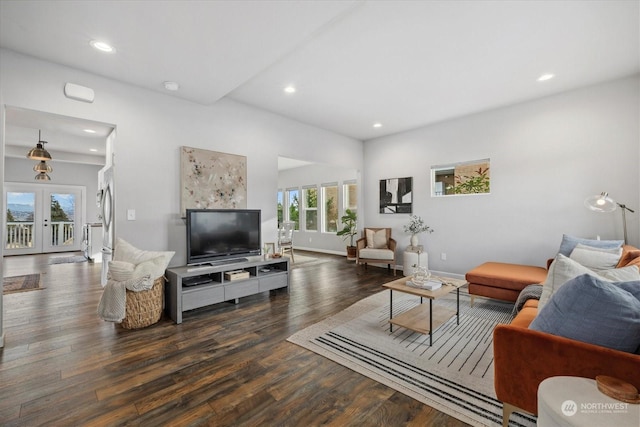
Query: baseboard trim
[[398, 267]]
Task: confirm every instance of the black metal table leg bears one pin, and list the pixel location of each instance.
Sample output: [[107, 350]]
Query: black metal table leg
[[390, 309], [430, 321], [458, 308]]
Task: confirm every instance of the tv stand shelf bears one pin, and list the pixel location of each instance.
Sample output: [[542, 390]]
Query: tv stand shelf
[[214, 285]]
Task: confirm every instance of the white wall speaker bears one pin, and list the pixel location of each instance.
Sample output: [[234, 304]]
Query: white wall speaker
[[79, 93]]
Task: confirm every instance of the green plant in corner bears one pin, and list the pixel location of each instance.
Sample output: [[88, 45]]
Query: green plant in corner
[[349, 229]]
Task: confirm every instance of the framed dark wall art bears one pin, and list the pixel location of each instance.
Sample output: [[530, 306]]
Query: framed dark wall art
[[396, 195]]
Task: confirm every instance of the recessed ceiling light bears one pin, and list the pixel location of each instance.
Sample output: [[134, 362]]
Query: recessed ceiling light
[[172, 86], [545, 77], [377, 125], [290, 89], [102, 46], [89, 131], [93, 150]]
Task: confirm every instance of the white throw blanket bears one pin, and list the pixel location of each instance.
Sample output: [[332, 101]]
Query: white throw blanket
[[112, 306]]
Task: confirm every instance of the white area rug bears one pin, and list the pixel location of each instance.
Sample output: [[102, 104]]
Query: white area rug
[[455, 375]]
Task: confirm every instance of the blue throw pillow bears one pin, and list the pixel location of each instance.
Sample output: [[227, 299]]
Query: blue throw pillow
[[594, 311], [570, 242]]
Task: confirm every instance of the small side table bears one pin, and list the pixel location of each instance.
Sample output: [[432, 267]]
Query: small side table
[[575, 401], [414, 255]]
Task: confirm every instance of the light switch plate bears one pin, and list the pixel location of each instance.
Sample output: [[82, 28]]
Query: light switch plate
[[131, 214]]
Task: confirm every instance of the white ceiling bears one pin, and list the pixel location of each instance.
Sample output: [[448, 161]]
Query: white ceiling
[[404, 64]]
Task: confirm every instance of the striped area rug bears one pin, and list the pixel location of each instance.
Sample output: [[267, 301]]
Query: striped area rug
[[455, 375]]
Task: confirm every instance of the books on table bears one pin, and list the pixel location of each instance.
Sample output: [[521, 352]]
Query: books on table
[[430, 285]]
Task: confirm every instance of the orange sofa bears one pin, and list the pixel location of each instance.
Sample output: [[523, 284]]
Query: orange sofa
[[523, 358]]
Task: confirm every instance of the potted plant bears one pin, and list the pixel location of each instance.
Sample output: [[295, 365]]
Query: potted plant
[[348, 231], [416, 226]]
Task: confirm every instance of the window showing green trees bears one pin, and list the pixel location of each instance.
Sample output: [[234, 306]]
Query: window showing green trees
[[294, 207], [461, 178], [310, 206], [57, 214], [280, 208], [330, 201]]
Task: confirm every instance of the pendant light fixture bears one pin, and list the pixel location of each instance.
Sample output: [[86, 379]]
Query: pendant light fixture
[[42, 176], [39, 152], [43, 168]]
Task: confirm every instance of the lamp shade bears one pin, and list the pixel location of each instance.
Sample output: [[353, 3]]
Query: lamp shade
[[42, 176], [600, 203], [39, 152], [42, 166]]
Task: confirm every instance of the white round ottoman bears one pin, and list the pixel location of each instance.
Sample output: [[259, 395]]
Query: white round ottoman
[[575, 401]]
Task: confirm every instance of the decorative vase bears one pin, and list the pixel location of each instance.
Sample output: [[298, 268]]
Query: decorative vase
[[420, 275], [414, 240]]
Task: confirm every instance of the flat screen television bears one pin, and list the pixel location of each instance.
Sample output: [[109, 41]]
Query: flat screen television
[[222, 234]]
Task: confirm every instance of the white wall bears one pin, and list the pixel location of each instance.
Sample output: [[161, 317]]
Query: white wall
[[546, 156], [21, 170], [317, 174], [151, 128]]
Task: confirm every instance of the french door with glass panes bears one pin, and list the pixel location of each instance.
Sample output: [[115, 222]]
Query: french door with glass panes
[[42, 218]]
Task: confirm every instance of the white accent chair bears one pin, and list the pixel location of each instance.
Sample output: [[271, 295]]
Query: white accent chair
[[285, 238], [376, 247]]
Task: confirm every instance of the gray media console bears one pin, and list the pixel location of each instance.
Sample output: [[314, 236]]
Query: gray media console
[[220, 283]]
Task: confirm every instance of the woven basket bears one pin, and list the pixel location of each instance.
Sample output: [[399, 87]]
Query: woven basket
[[144, 308]]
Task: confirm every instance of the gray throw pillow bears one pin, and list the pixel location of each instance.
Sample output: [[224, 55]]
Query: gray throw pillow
[[594, 311], [570, 242]]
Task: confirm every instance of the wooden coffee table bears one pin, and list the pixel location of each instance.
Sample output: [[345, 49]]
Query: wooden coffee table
[[416, 318]]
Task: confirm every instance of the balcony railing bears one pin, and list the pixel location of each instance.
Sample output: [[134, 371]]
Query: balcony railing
[[62, 233], [20, 234]]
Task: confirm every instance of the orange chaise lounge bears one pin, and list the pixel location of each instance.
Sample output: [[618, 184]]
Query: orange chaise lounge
[[503, 281], [524, 357]]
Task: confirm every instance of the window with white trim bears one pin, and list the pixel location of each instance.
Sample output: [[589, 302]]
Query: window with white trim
[[310, 207], [329, 207], [280, 208], [293, 206], [350, 195]]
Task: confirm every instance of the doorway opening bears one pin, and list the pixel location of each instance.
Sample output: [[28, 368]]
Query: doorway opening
[[65, 213]]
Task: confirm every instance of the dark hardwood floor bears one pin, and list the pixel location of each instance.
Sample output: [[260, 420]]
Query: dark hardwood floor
[[224, 365]]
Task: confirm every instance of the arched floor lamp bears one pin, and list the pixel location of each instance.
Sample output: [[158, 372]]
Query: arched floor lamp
[[603, 203]]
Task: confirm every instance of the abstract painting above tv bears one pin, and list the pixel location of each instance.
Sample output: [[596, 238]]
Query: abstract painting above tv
[[210, 179]]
